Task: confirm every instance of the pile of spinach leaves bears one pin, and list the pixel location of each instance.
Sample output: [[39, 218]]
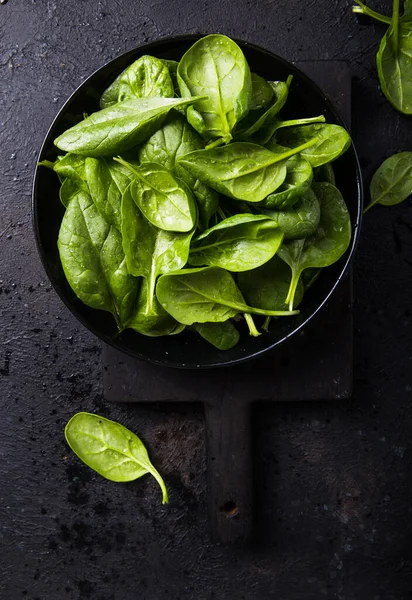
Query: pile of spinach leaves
[[191, 203]]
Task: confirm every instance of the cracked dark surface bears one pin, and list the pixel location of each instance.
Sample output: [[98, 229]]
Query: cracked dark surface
[[334, 480]]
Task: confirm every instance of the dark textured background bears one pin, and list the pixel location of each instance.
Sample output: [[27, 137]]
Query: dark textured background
[[333, 480]]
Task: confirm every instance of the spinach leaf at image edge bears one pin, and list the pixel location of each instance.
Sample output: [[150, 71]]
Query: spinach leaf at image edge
[[131, 449], [392, 182]]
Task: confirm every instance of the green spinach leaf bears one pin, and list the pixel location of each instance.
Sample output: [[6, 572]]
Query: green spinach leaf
[[223, 336], [239, 243], [392, 182], [327, 245], [241, 170], [150, 251], [151, 319], [146, 77], [203, 295], [325, 173], [331, 141], [118, 128], [93, 260], [299, 221], [215, 67], [262, 93], [165, 200], [110, 449]]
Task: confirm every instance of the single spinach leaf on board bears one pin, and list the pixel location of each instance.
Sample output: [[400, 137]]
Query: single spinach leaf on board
[[110, 449], [262, 93], [392, 182], [394, 63], [118, 128], [203, 295], [215, 67], [153, 320], [150, 251], [299, 176], [166, 201], [332, 141], [223, 336], [239, 243], [255, 120], [93, 260], [268, 286], [146, 77], [175, 139], [299, 221], [325, 173], [107, 180], [326, 245], [241, 170]]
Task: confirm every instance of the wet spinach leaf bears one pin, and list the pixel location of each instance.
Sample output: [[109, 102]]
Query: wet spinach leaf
[[221, 335], [241, 170], [215, 67], [151, 319], [331, 141], [392, 182], [203, 295], [327, 245], [118, 128], [300, 220], [146, 77], [165, 200], [93, 260], [110, 449], [239, 243]]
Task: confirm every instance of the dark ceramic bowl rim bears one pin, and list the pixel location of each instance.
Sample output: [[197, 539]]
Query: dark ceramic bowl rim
[[356, 226]]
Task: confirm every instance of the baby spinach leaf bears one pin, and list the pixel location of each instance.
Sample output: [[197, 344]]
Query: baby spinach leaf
[[299, 221], [146, 77], [223, 336], [239, 243], [110, 449], [152, 320], [68, 189], [150, 251], [165, 200], [175, 139], [392, 182], [93, 260], [264, 135], [268, 286], [328, 243], [71, 166], [394, 63], [325, 173], [242, 170], [262, 93], [299, 175], [255, 120], [118, 128], [215, 67], [331, 141], [208, 294], [107, 180]]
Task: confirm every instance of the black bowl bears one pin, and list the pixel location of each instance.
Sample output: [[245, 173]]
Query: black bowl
[[188, 350]]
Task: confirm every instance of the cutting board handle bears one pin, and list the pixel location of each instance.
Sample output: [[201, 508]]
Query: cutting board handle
[[229, 468]]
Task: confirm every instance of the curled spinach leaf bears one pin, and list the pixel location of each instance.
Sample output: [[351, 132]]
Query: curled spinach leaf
[[93, 260], [165, 200], [392, 182], [327, 245], [242, 170], [175, 139], [215, 67], [110, 449], [300, 220], [203, 295], [146, 77], [118, 128], [331, 141], [239, 243], [221, 335], [150, 251]]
